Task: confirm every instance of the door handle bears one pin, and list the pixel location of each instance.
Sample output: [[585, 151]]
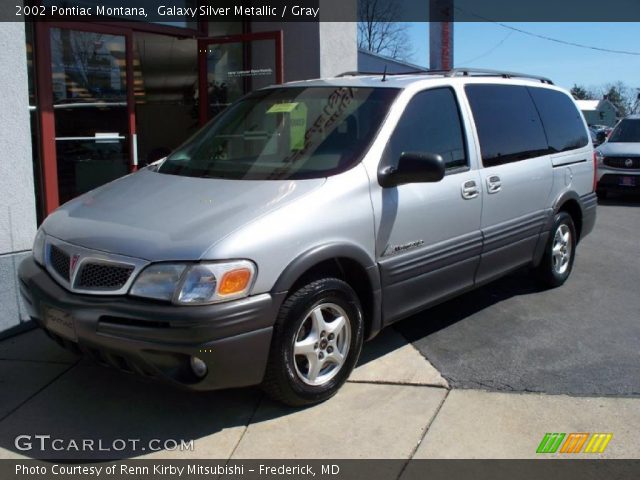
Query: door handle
[[493, 184], [470, 190]]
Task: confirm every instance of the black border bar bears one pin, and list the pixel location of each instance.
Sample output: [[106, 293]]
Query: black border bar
[[542, 469], [324, 10]]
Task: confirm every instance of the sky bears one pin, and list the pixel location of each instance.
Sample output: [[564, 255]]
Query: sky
[[489, 45]]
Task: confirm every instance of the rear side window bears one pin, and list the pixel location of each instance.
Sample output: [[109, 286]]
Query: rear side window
[[507, 122], [430, 124], [561, 119]]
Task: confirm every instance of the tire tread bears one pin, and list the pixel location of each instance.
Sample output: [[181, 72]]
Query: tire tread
[[273, 383]]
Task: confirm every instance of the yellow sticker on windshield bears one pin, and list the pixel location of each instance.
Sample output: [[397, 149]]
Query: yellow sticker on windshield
[[298, 127], [283, 107]]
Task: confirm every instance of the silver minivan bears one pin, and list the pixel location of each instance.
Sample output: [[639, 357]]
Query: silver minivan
[[308, 216]]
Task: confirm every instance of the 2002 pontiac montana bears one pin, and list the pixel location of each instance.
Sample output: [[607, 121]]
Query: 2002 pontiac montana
[[308, 216]]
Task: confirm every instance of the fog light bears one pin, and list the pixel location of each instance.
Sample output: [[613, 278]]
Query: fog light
[[198, 367]]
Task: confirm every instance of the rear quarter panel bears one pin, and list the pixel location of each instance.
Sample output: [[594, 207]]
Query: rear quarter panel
[[573, 170]]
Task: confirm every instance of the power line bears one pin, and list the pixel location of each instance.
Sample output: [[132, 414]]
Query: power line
[[565, 42], [488, 52], [550, 39]]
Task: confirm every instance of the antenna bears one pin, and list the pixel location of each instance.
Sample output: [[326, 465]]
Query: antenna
[[384, 74]]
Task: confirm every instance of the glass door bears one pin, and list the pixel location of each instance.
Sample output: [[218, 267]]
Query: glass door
[[232, 66], [165, 88], [91, 110]]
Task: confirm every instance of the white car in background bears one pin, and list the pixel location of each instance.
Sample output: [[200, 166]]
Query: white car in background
[[619, 158]]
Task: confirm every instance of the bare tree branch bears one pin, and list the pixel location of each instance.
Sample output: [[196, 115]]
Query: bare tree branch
[[624, 97], [378, 33]]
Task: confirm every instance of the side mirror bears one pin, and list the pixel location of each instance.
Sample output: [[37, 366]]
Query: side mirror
[[412, 167], [601, 137]]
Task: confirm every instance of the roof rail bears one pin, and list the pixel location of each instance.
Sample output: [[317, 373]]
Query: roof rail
[[455, 72], [357, 74], [481, 72]]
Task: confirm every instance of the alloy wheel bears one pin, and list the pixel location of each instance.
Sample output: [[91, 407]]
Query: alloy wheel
[[561, 249], [321, 345]]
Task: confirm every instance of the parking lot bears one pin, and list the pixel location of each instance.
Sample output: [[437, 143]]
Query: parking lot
[[480, 389], [580, 339]]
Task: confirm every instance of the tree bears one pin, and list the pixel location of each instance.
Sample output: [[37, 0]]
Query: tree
[[581, 93], [623, 97], [378, 33]]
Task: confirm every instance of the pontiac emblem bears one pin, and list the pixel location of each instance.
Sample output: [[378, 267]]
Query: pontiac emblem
[[73, 263], [628, 163]]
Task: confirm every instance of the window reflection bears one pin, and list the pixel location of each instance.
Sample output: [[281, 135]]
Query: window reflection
[[87, 66], [165, 84], [90, 107], [234, 69]]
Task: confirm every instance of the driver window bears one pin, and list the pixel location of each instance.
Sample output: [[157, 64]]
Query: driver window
[[430, 123]]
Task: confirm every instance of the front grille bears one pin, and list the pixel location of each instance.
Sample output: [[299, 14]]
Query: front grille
[[621, 162], [103, 276], [59, 261]]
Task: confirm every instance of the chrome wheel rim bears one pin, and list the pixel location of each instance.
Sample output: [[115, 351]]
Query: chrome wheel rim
[[561, 249], [321, 344]]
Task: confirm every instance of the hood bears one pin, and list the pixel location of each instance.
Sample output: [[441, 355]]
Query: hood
[[620, 149], [159, 217]]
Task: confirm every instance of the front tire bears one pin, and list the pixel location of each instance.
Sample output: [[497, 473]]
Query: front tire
[[316, 343], [557, 262]]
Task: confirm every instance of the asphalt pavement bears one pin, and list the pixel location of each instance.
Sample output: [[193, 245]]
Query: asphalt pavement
[[580, 339]]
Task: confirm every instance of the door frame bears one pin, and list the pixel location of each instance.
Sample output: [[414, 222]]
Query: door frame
[[45, 111], [204, 42]]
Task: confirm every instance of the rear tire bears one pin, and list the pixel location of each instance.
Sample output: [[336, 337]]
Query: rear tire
[[316, 343], [557, 262]]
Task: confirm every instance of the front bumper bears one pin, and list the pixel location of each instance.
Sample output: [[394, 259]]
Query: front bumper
[[617, 179], [154, 339]]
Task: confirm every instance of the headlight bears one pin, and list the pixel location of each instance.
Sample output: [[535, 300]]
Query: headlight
[[38, 247], [158, 281], [195, 284]]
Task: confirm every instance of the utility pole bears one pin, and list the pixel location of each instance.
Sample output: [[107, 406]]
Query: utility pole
[[441, 34]]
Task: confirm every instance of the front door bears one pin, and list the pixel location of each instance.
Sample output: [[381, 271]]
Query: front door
[[428, 239], [235, 65]]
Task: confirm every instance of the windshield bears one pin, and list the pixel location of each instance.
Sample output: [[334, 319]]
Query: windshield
[[285, 133], [627, 131]]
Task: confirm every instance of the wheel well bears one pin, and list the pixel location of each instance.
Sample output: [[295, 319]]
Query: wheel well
[[350, 271], [573, 208]]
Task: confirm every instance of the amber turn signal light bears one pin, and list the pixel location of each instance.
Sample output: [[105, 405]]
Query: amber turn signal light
[[234, 281]]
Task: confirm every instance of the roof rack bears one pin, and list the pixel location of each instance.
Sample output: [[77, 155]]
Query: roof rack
[[456, 72], [481, 72], [389, 74]]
